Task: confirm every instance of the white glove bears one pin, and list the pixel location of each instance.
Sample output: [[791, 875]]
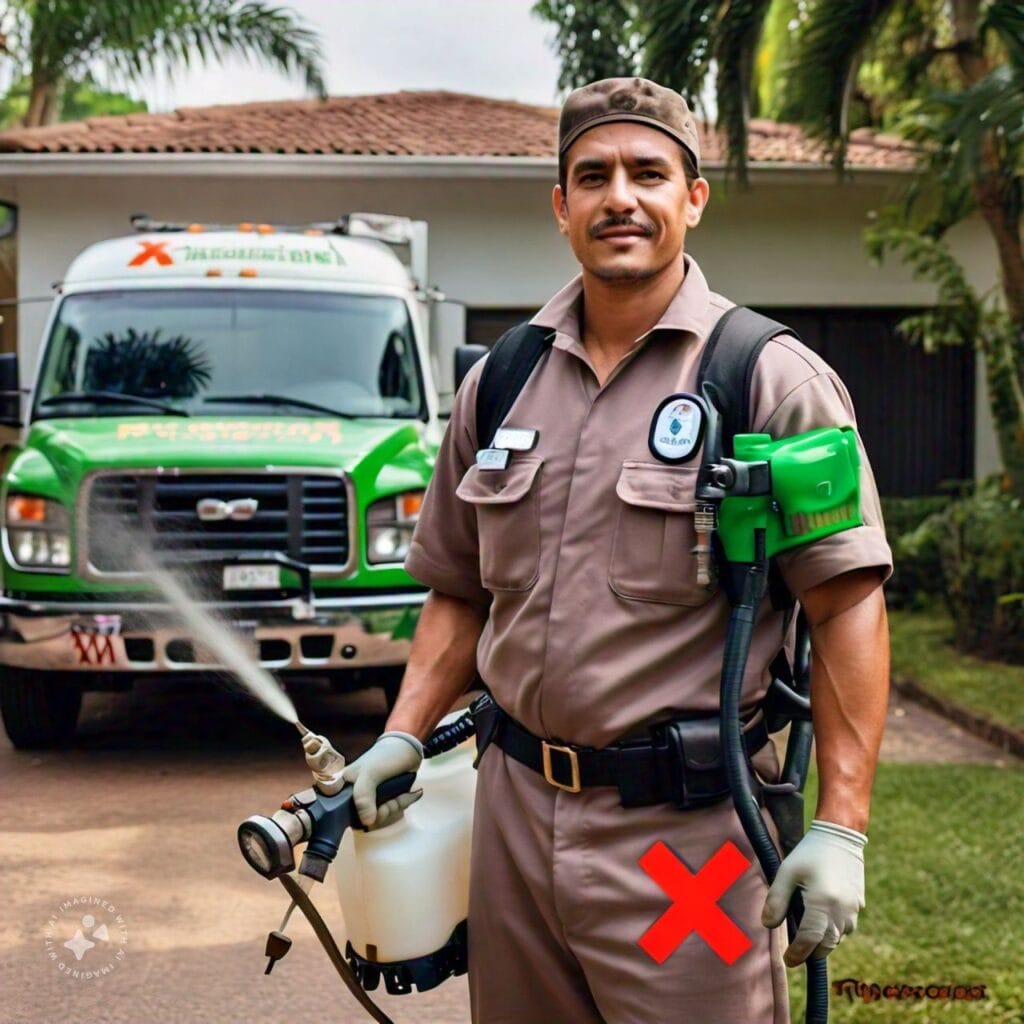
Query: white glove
[[828, 865], [393, 754], [325, 763]]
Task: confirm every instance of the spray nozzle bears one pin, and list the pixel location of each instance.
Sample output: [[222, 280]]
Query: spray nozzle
[[326, 763]]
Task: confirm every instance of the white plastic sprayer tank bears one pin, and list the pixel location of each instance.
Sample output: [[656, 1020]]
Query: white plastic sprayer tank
[[405, 888]]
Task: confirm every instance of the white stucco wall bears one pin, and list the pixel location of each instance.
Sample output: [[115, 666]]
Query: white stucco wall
[[793, 239]]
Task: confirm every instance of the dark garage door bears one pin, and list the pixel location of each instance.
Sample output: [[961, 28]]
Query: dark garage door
[[915, 411]]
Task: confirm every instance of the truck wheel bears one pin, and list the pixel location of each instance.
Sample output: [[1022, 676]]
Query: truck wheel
[[40, 709]]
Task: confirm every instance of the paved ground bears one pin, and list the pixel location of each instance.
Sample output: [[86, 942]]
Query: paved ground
[[142, 812]]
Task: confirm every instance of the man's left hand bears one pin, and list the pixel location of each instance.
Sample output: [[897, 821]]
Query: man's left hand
[[828, 865]]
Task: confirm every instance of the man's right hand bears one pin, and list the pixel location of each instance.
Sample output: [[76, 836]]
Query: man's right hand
[[393, 754]]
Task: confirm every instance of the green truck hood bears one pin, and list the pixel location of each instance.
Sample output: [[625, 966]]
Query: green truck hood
[[380, 457], [75, 446]]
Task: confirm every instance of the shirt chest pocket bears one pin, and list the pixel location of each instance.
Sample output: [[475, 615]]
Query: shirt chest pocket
[[507, 505], [652, 555]]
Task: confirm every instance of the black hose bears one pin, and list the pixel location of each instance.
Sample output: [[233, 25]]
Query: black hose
[[739, 634], [801, 732]]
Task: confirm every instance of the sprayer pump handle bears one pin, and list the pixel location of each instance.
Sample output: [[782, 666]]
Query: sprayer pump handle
[[391, 788]]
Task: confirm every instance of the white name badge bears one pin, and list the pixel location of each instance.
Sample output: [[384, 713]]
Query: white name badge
[[677, 428], [516, 439], [493, 458]]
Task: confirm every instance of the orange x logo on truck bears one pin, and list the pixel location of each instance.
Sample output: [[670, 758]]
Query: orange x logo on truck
[[152, 251]]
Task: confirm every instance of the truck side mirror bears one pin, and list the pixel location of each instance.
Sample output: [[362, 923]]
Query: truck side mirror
[[465, 357], [10, 396]]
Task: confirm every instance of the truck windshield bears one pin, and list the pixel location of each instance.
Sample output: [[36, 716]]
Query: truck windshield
[[197, 350]]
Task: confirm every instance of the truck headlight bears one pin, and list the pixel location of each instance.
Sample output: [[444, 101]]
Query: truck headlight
[[389, 526], [37, 533]]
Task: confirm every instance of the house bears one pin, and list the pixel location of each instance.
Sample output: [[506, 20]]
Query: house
[[480, 171]]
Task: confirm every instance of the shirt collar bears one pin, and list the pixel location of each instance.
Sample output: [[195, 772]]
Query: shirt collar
[[688, 310]]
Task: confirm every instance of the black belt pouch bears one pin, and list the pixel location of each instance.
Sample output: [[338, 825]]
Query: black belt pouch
[[486, 720], [694, 754]]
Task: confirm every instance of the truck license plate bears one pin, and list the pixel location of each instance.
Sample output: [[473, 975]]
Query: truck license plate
[[252, 577]]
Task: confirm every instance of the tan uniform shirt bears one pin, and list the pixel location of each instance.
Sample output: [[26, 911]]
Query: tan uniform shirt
[[598, 626]]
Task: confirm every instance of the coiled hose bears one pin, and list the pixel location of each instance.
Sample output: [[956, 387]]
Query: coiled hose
[[739, 634], [449, 736]]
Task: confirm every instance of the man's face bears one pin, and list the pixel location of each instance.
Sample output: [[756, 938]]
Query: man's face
[[626, 205]]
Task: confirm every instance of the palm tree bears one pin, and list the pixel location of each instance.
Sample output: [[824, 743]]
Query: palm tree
[[57, 42], [143, 363], [947, 74]]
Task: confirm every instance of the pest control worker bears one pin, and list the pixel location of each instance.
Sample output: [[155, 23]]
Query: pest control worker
[[563, 571]]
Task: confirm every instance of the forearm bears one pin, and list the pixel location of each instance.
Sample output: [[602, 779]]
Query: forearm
[[849, 694], [442, 664]]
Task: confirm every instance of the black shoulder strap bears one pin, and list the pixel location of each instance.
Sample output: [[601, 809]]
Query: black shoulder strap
[[506, 371], [727, 366]]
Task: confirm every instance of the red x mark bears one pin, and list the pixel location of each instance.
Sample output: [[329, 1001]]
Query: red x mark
[[152, 251], [694, 906]]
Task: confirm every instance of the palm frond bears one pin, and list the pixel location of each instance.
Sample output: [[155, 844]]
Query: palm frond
[[739, 32], [961, 133], [592, 40], [68, 35], [136, 37], [831, 42], [215, 29], [678, 43]]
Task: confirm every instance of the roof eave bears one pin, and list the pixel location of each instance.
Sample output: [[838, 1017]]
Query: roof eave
[[256, 165]]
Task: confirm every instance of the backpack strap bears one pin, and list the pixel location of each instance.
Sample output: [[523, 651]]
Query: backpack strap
[[727, 366], [507, 368]]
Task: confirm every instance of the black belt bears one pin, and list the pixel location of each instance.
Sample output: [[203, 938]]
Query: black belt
[[681, 763]]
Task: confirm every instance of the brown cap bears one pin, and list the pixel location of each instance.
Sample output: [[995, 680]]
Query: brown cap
[[627, 99]]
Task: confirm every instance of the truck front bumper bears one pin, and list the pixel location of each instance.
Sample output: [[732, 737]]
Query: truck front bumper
[[327, 634]]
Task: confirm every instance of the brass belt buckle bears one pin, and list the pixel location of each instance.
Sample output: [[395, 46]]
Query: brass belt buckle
[[574, 764]]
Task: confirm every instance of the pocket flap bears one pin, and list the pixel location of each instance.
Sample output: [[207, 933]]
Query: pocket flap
[[499, 486], [649, 485]]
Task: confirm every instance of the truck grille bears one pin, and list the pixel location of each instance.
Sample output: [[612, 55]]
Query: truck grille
[[302, 516]]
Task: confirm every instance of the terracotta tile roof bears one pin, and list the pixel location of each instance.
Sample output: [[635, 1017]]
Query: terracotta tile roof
[[435, 123]]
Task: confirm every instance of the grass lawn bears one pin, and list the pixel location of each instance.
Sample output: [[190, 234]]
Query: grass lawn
[[945, 896], [922, 650]]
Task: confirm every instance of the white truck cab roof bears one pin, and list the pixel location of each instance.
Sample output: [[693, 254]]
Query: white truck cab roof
[[255, 253]]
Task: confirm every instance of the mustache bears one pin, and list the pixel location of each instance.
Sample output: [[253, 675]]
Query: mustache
[[620, 222]]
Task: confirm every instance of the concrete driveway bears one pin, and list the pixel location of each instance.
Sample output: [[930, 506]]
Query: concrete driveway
[[141, 812]]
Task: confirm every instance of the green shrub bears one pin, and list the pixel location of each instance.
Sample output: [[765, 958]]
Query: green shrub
[[981, 544], [917, 565]]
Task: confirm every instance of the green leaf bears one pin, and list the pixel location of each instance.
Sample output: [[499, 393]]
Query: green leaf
[[593, 40], [739, 32], [830, 46], [1005, 18], [59, 41], [679, 43]]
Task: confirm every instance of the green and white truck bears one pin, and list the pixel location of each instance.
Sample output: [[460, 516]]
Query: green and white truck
[[256, 406]]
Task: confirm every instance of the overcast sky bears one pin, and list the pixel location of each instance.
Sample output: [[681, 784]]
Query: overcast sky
[[488, 47]]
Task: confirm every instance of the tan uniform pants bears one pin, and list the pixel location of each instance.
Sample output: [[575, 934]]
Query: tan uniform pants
[[558, 903]]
